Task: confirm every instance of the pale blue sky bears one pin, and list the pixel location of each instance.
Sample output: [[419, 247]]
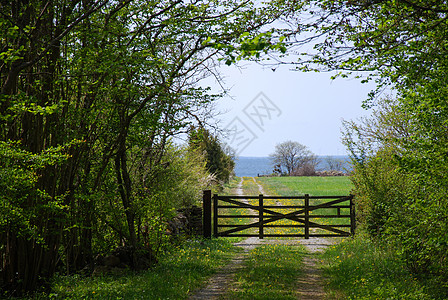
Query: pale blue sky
[[303, 107]]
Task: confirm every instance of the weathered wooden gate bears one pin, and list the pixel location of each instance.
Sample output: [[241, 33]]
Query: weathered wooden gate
[[312, 216]]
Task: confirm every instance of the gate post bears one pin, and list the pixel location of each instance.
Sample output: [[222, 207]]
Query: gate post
[[207, 213], [260, 217], [215, 215], [307, 216]]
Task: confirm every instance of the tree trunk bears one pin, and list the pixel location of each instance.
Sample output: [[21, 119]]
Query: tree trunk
[[124, 188]]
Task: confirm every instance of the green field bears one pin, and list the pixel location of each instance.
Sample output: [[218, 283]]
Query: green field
[[314, 186]]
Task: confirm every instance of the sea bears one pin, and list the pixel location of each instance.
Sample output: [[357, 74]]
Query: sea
[[256, 166]]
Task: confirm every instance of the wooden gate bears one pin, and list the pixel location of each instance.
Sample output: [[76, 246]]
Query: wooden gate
[[308, 216]]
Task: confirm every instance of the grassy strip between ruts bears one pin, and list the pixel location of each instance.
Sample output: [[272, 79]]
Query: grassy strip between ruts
[[360, 269], [177, 274], [269, 272]]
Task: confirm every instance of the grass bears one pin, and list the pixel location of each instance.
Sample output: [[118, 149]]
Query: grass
[[270, 272], [177, 274], [360, 269]]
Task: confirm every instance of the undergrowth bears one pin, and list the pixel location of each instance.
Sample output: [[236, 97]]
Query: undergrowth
[[361, 269], [178, 273]]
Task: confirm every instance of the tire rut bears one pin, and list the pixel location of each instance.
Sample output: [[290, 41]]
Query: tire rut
[[219, 283]]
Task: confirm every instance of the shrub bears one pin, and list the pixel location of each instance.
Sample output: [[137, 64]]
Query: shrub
[[401, 189]]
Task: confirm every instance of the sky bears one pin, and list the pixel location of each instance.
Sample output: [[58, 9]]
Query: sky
[[265, 108]]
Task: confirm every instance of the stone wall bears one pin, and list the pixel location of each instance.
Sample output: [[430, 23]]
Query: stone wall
[[188, 221]]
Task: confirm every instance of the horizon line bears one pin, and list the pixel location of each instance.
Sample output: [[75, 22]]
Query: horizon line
[[268, 155]]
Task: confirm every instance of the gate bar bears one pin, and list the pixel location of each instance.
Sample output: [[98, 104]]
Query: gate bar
[[352, 217], [215, 215]]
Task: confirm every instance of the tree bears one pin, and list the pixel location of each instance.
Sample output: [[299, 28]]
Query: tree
[[37, 139], [334, 164], [373, 142], [402, 204], [219, 162], [294, 157]]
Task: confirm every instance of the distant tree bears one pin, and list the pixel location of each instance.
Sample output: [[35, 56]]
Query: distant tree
[[307, 167], [294, 157], [334, 164]]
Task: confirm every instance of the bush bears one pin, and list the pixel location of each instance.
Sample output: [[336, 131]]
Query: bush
[[363, 269], [401, 191], [395, 206], [159, 190]]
